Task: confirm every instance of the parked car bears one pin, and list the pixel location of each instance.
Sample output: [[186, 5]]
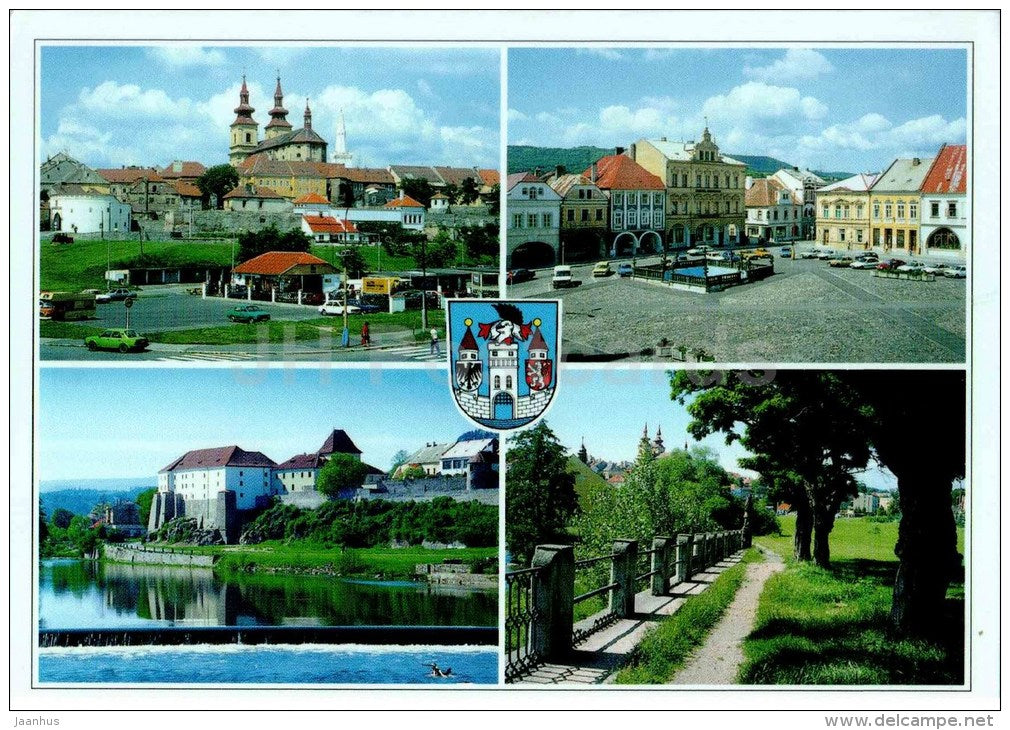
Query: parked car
[[865, 261], [625, 269], [786, 252], [912, 266], [890, 264], [248, 313], [63, 238], [115, 295], [841, 261], [757, 253], [365, 307], [412, 299], [936, 269], [812, 253], [336, 307], [517, 276], [563, 279], [695, 254], [826, 255], [602, 269], [117, 338], [956, 272]]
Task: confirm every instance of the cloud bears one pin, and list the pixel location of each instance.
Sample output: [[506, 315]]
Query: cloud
[[425, 88], [187, 56], [757, 103], [797, 64], [112, 99], [610, 54], [514, 115]]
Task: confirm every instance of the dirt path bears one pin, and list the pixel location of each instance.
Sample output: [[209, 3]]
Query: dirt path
[[719, 659]]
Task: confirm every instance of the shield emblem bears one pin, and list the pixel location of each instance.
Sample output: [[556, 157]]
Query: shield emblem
[[502, 356]]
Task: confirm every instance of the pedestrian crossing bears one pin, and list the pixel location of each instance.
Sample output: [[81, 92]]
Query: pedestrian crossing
[[209, 357], [411, 352]]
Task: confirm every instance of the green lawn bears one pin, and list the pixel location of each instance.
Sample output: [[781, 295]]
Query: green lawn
[[275, 556], [817, 626], [665, 649]]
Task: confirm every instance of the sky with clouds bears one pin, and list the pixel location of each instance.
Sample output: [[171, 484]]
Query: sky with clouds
[[110, 106], [830, 109]]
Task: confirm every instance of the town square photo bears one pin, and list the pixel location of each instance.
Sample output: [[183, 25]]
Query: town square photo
[[230, 203], [754, 204]]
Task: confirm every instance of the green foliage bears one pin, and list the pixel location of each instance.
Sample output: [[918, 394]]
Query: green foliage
[[411, 472], [679, 492], [469, 191], [764, 520], [396, 240], [218, 180], [353, 262], [540, 496], [419, 189], [374, 523], [523, 158], [398, 458], [144, 500], [441, 251], [61, 518], [494, 200], [480, 243], [254, 243], [666, 649], [340, 472]]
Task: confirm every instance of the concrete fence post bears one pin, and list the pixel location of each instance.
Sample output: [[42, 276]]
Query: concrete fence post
[[698, 554], [225, 291], [683, 558], [248, 294], [553, 594], [661, 565], [712, 547], [622, 572]]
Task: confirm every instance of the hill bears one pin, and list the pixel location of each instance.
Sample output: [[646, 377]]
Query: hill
[[81, 501], [576, 159], [585, 478]]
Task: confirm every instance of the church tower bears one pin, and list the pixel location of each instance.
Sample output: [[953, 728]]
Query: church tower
[[244, 130], [308, 115], [657, 443], [340, 153], [583, 454], [278, 123], [645, 446]]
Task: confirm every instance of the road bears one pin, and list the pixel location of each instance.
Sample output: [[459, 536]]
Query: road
[[806, 312]]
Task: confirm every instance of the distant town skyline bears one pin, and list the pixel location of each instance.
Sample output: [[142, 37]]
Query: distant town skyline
[[831, 109], [95, 423], [115, 105]]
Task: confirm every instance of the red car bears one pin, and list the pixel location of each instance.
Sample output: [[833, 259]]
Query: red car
[[890, 264]]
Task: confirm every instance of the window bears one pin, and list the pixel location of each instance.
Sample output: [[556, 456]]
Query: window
[[697, 180], [657, 199], [841, 235], [582, 194], [497, 381], [531, 220], [548, 220], [618, 198], [775, 214], [859, 211], [952, 209], [838, 211], [683, 180], [845, 212], [934, 208], [618, 219], [585, 214], [901, 211], [571, 215], [760, 215], [632, 218], [589, 195], [859, 235], [673, 207], [901, 238], [887, 210], [913, 211], [825, 211]]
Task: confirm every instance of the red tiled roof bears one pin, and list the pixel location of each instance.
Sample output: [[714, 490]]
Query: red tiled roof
[[130, 174], [260, 164], [367, 175], [489, 177], [538, 343], [468, 342], [302, 461], [405, 202], [765, 192], [252, 191], [329, 224], [520, 177], [311, 198], [620, 172], [182, 168], [187, 189], [274, 263], [338, 442], [949, 173], [455, 175], [221, 456]]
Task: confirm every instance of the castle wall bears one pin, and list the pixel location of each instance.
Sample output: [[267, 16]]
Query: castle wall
[[534, 405]]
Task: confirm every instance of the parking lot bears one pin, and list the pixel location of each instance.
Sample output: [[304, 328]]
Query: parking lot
[[807, 312]]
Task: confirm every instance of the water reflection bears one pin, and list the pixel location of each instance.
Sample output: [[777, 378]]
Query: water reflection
[[77, 594]]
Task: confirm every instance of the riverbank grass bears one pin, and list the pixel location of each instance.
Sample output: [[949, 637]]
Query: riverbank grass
[[666, 649], [817, 626]]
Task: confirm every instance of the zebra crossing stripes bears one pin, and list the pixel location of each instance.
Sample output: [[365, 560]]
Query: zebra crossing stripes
[[415, 352], [209, 357]]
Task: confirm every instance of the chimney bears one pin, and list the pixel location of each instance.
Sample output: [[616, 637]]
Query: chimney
[[662, 139], [536, 172], [592, 172], [631, 151], [618, 150], [559, 170], [401, 193], [748, 182], [915, 161]]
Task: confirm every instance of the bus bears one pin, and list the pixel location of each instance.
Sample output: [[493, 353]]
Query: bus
[[63, 305]]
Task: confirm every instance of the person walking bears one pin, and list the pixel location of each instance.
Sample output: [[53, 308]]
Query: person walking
[[366, 338], [435, 349]]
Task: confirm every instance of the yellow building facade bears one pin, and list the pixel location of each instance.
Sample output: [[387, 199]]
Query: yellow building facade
[[895, 203], [843, 213]]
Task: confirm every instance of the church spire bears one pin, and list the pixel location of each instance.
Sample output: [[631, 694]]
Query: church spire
[[583, 454], [657, 443], [243, 112], [645, 446], [278, 123], [308, 114]]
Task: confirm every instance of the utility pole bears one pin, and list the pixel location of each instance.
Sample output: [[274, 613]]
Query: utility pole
[[424, 282], [345, 338]]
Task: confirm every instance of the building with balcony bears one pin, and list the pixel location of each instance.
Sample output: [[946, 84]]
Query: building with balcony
[[843, 212], [704, 189], [894, 206], [943, 212]]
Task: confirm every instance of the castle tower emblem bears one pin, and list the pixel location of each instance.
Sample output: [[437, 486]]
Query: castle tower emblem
[[503, 377]]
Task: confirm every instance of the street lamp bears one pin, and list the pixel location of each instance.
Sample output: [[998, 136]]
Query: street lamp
[[424, 282]]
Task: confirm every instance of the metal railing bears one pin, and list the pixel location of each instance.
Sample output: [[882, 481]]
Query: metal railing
[[541, 618]]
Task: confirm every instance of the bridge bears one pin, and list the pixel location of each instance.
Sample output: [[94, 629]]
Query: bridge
[[544, 641]]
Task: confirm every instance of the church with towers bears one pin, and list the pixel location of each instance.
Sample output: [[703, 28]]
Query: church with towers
[[280, 140]]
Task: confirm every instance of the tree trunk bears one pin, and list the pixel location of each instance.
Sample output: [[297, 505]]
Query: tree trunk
[[926, 550], [824, 520], [804, 523]]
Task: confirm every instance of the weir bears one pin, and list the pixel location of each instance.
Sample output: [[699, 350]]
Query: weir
[[184, 635]]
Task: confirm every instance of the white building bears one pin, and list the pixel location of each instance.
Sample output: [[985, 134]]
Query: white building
[[534, 220], [943, 222], [328, 229], [74, 210], [457, 458], [201, 474], [804, 185], [774, 212], [403, 210]]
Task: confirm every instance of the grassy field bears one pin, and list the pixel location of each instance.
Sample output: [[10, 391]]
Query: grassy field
[[665, 649], [817, 626], [82, 264], [278, 557]]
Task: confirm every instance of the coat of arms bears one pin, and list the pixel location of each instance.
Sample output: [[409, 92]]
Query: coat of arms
[[502, 359]]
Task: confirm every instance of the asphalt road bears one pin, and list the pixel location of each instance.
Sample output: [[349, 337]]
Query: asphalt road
[[806, 312]]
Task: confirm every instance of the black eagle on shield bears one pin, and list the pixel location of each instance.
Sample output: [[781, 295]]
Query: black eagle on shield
[[469, 374]]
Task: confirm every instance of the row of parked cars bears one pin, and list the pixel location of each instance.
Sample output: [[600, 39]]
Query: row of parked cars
[[871, 260]]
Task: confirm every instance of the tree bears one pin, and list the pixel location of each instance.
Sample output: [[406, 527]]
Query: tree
[[805, 430], [340, 472], [144, 501], [451, 191], [480, 242], [411, 472], [218, 181], [419, 189], [43, 530], [254, 243], [353, 262], [927, 536], [440, 251], [469, 191], [61, 518], [345, 195], [540, 495], [494, 199], [398, 458]]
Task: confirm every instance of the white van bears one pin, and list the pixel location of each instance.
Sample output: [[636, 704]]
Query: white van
[[562, 278]]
